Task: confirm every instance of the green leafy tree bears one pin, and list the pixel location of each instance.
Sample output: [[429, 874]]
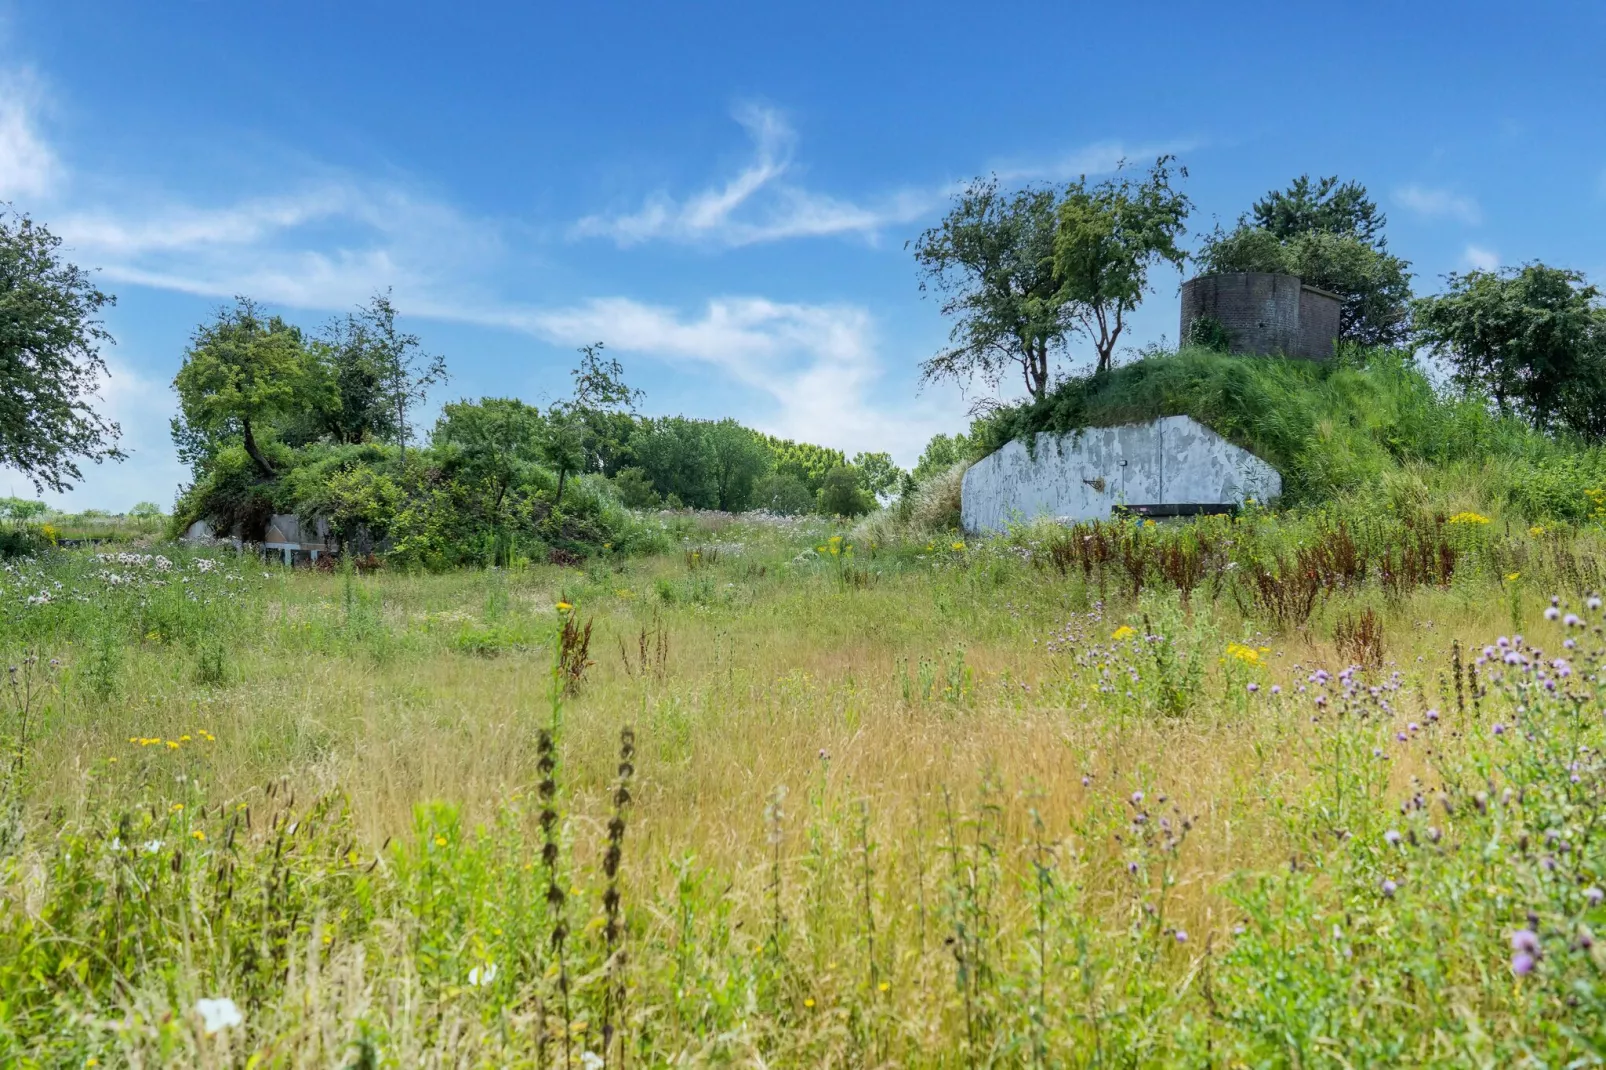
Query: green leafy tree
[[1331, 237], [635, 489], [1328, 207], [738, 458], [878, 474], [673, 451], [1109, 236], [941, 454], [145, 511], [22, 510], [497, 439], [353, 357], [803, 461], [843, 493], [1534, 338], [992, 260], [783, 493], [242, 372], [405, 372], [50, 362]]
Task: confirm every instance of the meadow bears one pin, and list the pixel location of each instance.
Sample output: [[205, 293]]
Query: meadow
[[1318, 788]]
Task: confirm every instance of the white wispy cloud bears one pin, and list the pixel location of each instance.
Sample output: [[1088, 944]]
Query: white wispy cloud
[[28, 165], [1476, 256], [764, 202], [759, 203], [815, 364], [327, 246], [1439, 204]]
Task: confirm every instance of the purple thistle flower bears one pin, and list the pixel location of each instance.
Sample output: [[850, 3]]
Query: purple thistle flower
[[1572, 620], [1552, 613], [1433, 715], [1389, 888], [1525, 940], [1522, 964], [1499, 729], [1276, 689], [1182, 936], [1137, 798], [1253, 687], [1392, 837], [1594, 895]]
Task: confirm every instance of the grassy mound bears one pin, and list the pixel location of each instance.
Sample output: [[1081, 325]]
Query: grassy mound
[[1370, 423]]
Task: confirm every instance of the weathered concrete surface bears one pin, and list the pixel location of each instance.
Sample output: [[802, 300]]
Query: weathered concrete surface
[[1264, 312], [1083, 476]]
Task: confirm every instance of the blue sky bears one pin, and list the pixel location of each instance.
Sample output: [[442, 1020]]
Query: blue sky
[[722, 192]]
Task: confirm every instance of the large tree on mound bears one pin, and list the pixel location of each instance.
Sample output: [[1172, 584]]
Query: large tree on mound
[[1109, 236], [1533, 337], [1330, 234], [992, 260], [50, 362]]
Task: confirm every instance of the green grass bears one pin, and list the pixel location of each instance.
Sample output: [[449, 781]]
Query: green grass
[[1012, 803], [1335, 429]]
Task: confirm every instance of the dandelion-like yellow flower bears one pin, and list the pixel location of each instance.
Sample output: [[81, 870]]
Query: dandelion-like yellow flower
[[1537, 530], [1246, 654], [1513, 577], [1125, 631], [172, 744], [958, 546], [808, 1003], [882, 987], [177, 808], [198, 836], [564, 607], [440, 841], [1469, 518]]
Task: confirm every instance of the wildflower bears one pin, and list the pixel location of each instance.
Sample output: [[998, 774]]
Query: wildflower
[[1525, 940], [1522, 964], [1572, 620], [1594, 895], [808, 1002], [1469, 518], [1276, 689], [1137, 798], [1552, 613], [957, 547], [1499, 729], [1392, 837], [440, 841], [198, 836], [1123, 632], [883, 986], [1537, 530], [1246, 654], [218, 1014], [176, 808], [564, 607], [1388, 888], [1182, 936], [1593, 603], [482, 976]]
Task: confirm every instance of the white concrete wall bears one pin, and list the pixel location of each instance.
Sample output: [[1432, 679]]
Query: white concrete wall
[[1172, 461]]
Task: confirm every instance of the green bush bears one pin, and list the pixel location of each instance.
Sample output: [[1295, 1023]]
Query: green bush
[[842, 495], [781, 492]]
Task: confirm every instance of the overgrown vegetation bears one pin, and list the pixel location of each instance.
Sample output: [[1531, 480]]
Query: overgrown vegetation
[[1243, 790], [1369, 425]]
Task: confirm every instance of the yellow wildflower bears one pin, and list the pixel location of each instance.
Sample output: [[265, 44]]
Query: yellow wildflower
[[1537, 530], [176, 808], [1246, 654], [440, 841], [198, 836], [1125, 631], [883, 986], [172, 744], [808, 1003], [1469, 518], [564, 607], [958, 546]]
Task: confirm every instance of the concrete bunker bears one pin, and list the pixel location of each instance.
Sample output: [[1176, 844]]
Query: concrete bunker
[[1173, 466], [1264, 313]]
